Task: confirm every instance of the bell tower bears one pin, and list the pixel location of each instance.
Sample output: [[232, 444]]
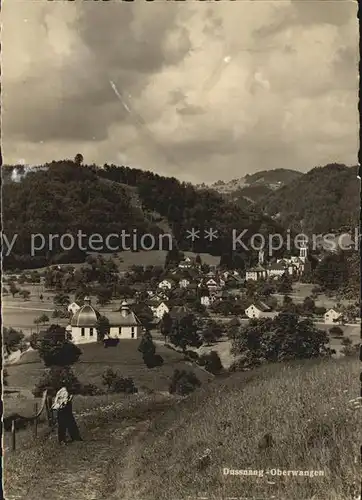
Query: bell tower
[[303, 251]]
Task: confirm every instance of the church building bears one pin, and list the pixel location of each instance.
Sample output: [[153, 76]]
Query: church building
[[124, 324]]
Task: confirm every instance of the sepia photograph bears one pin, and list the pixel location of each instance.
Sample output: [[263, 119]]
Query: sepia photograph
[[180, 244]]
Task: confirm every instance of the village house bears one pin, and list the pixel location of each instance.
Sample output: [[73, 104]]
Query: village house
[[256, 273], [166, 284], [332, 316], [257, 310], [73, 308], [188, 263], [83, 325], [275, 270], [230, 274], [159, 309], [207, 300]]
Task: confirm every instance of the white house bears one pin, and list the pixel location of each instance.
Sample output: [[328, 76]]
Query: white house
[[256, 273], [123, 324], [276, 270], [165, 284], [257, 310], [159, 309], [187, 263], [73, 307], [207, 300], [332, 317]]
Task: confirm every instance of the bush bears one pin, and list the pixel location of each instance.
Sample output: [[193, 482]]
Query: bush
[[211, 362], [192, 355], [152, 360], [336, 331], [55, 349], [116, 383], [91, 390], [54, 378], [183, 383]]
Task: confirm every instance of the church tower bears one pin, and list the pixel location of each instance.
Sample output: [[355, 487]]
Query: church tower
[[303, 251]]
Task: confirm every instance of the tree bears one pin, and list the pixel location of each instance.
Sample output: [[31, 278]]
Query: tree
[[308, 305], [25, 294], [12, 339], [211, 362], [54, 378], [103, 328], [211, 332], [184, 332], [61, 299], [78, 159], [55, 350], [283, 338], [148, 350], [336, 331], [166, 325], [348, 348], [285, 284], [332, 272], [144, 314], [104, 295], [41, 320], [198, 260], [183, 382], [115, 383]]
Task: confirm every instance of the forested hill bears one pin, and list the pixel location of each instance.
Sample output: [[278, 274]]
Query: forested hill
[[326, 199], [65, 197]]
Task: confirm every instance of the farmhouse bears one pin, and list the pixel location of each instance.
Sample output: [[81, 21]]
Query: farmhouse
[[332, 316], [276, 270], [165, 284], [73, 307], [159, 309], [207, 300], [257, 310]]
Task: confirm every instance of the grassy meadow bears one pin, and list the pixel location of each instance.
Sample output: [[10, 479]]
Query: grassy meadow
[[302, 405], [124, 358], [150, 447]]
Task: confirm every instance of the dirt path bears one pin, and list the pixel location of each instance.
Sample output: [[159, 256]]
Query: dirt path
[[87, 470]]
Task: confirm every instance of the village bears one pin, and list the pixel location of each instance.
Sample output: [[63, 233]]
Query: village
[[153, 299]]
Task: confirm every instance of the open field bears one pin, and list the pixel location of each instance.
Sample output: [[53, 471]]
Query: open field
[[126, 259], [124, 358], [303, 290], [302, 405], [150, 447]]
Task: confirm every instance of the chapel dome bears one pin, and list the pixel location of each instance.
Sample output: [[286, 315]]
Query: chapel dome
[[86, 316]]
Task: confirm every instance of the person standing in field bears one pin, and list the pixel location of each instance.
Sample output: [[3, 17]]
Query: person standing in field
[[66, 422]]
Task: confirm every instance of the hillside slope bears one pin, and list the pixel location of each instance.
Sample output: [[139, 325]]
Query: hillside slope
[[326, 199], [151, 449], [254, 186], [68, 198], [302, 406], [124, 358]]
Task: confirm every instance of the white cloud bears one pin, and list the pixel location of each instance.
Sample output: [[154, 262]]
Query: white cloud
[[209, 90]]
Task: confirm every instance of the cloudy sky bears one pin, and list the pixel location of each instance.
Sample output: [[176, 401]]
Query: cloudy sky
[[198, 90]]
